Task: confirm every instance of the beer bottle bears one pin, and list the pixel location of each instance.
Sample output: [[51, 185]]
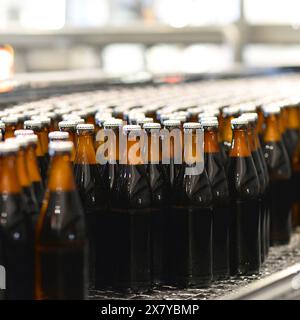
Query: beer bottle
[[94, 198], [227, 115], [224, 156], [220, 192], [61, 245], [172, 164], [292, 127], [33, 168], [32, 163], [245, 242], [130, 209], [70, 127], [58, 136], [11, 123], [44, 133], [280, 172], [110, 170], [160, 190], [36, 126], [30, 201], [191, 218], [252, 118], [15, 233], [260, 123], [293, 147]]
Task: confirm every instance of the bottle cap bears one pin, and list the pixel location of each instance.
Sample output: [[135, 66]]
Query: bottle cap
[[251, 116], [23, 132], [67, 124], [32, 124], [113, 123], [271, 109], [239, 121], [209, 123], [131, 127], [172, 123], [6, 148], [58, 135], [85, 126], [192, 125], [10, 119], [44, 120], [142, 121], [152, 125]]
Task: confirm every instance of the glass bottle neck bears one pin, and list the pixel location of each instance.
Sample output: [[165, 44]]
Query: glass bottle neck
[[9, 182], [226, 129], [240, 144], [85, 152], [22, 169], [211, 144], [33, 169], [61, 174], [272, 131]]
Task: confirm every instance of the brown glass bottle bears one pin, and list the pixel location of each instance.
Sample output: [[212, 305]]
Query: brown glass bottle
[[58, 136], [16, 236], [11, 123], [44, 133], [130, 209], [293, 148], [36, 126], [191, 219], [227, 115], [61, 245], [280, 172], [245, 242], [221, 203], [251, 118], [30, 201], [32, 164], [172, 162], [292, 128], [94, 198], [111, 168], [160, 189]]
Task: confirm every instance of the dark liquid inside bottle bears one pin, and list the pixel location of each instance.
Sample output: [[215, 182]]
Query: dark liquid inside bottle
[[160, 190], [93, 195], [262, 202], [245, 242], [38, 191], [291, 138], [43, 165], [280, 196], [190, 231], [16, 241], [31, 206], [62, 252], [130, 235], [221, 214]]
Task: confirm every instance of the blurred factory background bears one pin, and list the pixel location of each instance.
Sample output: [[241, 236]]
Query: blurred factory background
[[160, 36]]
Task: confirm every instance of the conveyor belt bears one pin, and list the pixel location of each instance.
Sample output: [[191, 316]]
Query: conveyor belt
[[280, 258]]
